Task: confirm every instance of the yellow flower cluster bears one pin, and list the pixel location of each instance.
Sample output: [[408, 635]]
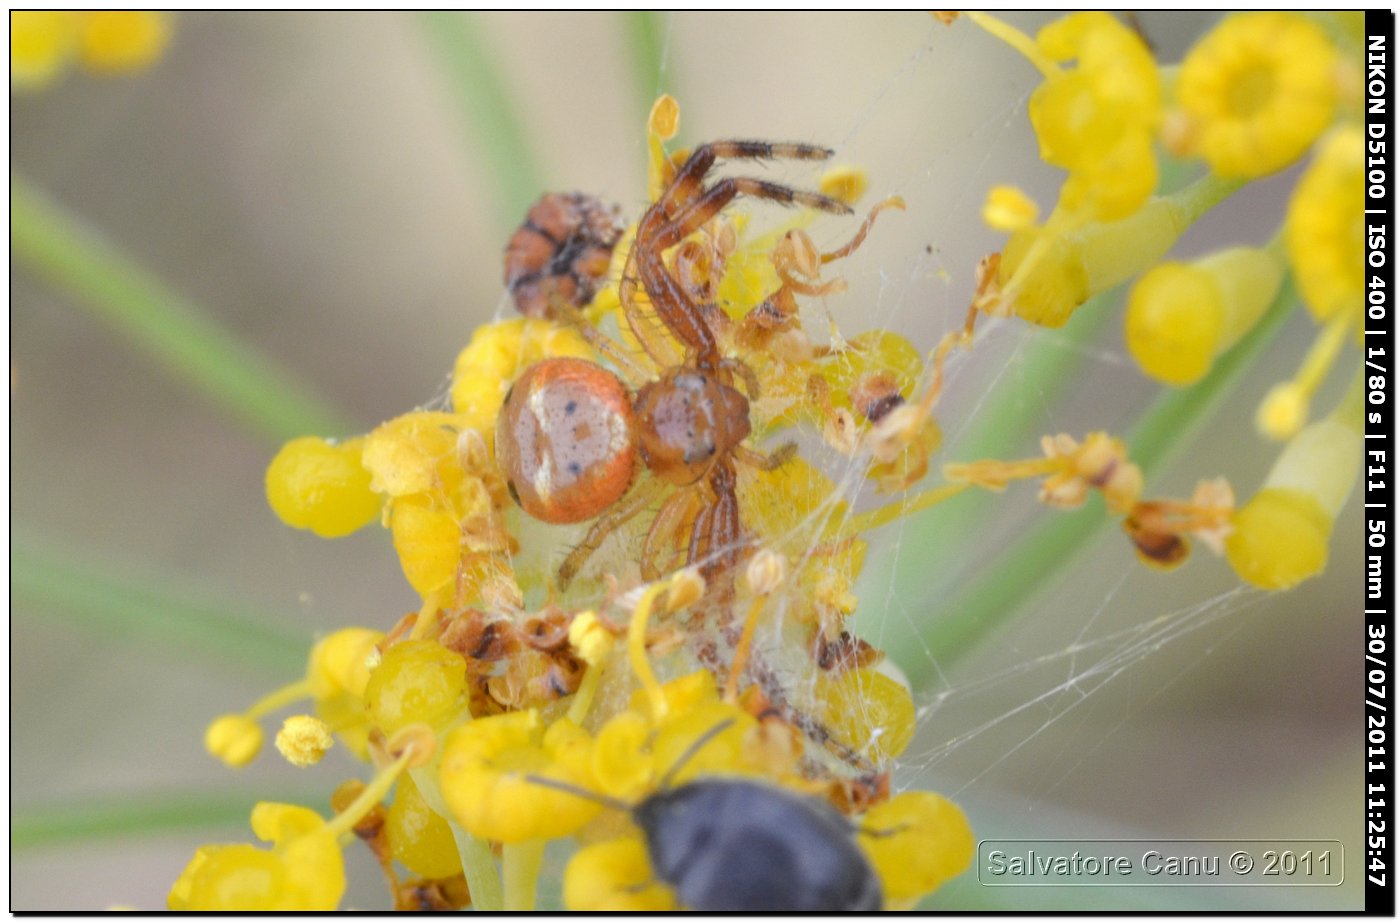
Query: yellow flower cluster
[[45, 42], [304, 871], [1252, 96]]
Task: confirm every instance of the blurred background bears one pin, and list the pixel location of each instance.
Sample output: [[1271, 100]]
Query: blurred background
[[332, 193]]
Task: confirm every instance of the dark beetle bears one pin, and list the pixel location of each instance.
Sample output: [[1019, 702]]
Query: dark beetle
[[734, 845], [739, 845]]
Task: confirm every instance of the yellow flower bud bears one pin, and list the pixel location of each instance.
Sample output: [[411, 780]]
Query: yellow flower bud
[[1008, 209], [589, 639], [314, 484], [1181, 316], [123, 41], [485, 764], [1045, 274], [234, 739], [1325, 228], [428, 541], [615, 876], [41, 44], [339, 662], [1283, 412], [844, 183], [304, 870], [414, 453], [1280, 536], [419, 838], [916, 841], [868, 711], [495, 357]]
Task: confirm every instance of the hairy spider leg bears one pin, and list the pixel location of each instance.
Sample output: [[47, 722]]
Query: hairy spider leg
[[667, 525], [625, 364], [691, 176], [684, 208]]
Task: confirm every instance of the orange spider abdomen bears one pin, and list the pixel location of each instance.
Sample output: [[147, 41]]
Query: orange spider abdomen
[[565, 440]]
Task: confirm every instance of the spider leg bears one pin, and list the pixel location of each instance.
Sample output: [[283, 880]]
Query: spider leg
[[569, 313], [644, 324], [633, 503], [669, 299], [681, 210], [713, 200], [665, 527], [691, 176], [750, 377], [674, 307], [766, 462]]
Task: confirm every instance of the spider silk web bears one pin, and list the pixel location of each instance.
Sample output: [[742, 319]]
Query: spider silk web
[[1109, 701]]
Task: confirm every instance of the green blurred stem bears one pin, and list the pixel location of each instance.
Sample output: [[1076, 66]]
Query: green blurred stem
[[480, 87], [1030, 565], [646, 34], [120, 816], [520, 866], [139, 609], [479, 867], [177, 333]]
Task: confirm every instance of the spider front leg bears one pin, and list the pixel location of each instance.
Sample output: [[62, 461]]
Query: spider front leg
[[713, 200], [767, 462], [690, 178]]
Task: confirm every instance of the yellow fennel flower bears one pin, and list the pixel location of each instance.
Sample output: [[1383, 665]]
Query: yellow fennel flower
[[487, 766], [304, 870], [916, 841], [615, 876], [1257, 91], [1280, 536], [1097, 120], [495, 357], [1326, 226], [320, 485], [41, 44], [123, 41], [1182, 315]]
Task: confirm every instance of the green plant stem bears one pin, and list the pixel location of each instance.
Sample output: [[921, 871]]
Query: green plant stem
[[1030, 565], [479, 867], [520, 867], [142, 610], [646, 34], [121, 816], [177, 333], [482, 91]]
